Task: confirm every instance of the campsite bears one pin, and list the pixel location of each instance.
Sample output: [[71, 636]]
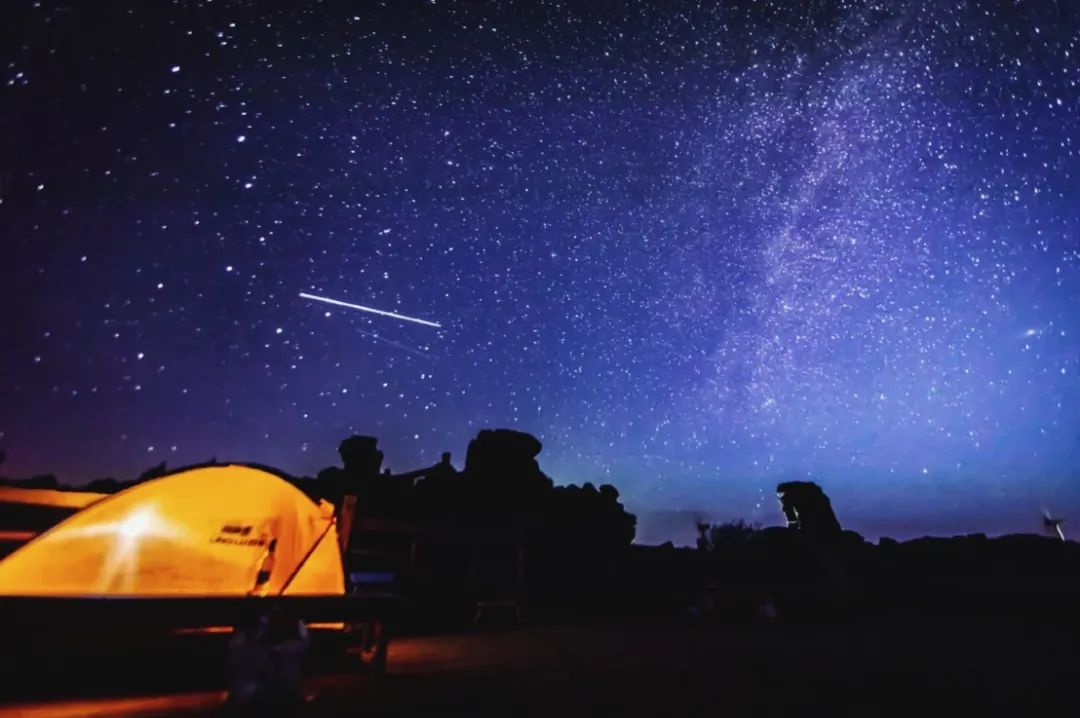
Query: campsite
[[644, 359], [492, 597]]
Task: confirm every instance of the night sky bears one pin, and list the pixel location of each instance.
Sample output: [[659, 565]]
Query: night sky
[[695, 248]]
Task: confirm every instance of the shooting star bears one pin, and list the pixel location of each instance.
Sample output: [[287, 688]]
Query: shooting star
[[392, 343], [380, 312]]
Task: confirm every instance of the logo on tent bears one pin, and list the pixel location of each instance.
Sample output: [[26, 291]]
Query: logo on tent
[[239, 535]]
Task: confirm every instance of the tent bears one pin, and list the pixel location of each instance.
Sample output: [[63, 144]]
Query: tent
[[211, 531], [26, 512], [52, 498]]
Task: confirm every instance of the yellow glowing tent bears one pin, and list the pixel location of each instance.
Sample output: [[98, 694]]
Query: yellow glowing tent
[[48, 497], [211, 531]]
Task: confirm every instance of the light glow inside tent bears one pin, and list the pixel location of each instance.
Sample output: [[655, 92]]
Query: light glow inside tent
[[127, 536], [201, 532]]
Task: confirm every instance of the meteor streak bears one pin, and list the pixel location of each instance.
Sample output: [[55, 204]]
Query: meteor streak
[[392, 343], [380, 312]]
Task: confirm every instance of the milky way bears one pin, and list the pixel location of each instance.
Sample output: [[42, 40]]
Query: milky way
[[695, 248]]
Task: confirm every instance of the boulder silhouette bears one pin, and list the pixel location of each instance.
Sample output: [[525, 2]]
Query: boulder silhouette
[[502, 475], [808, 509], [502, 452], [361, 457]]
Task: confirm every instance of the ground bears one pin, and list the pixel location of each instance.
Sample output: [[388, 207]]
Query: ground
[[899, 666]]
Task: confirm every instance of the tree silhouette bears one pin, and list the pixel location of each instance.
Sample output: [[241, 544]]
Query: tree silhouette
[[726, 536]]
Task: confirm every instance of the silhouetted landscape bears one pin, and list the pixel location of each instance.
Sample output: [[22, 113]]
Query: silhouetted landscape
[[497, 551]]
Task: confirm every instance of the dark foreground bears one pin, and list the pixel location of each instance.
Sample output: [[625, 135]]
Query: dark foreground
[[901, 666]]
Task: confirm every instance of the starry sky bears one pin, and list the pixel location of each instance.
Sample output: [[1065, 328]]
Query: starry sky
[[696, 248]]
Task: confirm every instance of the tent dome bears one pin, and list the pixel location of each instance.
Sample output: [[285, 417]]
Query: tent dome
[[211, 531]]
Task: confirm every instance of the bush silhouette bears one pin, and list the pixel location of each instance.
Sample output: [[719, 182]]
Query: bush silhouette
[[726, 536]]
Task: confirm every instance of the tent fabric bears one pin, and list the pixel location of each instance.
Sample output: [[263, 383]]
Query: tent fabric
[[200, 532], [321, 570], [49, 497]]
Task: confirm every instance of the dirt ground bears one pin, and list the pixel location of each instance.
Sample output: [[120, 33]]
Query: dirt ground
[[900, 666]]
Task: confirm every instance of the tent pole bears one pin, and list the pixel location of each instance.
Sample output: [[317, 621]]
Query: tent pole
[[345, 523]]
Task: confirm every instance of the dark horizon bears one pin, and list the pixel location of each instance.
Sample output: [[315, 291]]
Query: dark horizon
[[865, 515]]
